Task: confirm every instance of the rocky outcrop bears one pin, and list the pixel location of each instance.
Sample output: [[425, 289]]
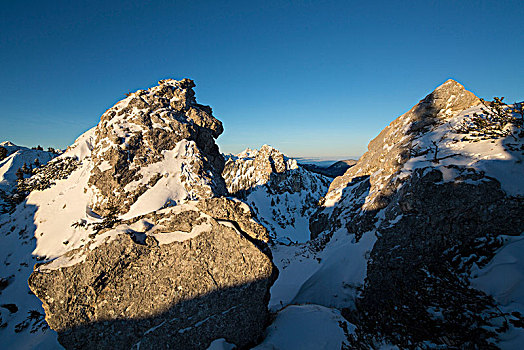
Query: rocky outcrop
[[144, 250], [393, 147], [177, 278], [437, 201], [251, 168], [282, 193], [143, 130]]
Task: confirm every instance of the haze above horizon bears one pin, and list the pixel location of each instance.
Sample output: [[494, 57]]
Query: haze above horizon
[[315, 79]]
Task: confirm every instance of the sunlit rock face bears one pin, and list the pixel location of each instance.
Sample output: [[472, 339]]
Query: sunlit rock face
[[368, 185], [437, 199], [177, 278], [391, 148], [151, 134], [282, 193], [144, 249]]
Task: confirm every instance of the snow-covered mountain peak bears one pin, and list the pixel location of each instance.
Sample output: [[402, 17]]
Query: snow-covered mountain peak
[[252, 168], [6, 143], [282, 193]]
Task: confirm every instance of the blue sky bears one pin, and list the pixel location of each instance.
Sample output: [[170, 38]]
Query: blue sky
[[312, 78]]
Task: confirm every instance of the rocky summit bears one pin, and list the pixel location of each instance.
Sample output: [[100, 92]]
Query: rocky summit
[[283, 194], [434, 197], [162, 129], [138, 244], [142, 235]]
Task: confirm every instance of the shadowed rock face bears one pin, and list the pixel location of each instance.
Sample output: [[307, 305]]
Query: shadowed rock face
[[177, 278], [419, 261], [137, 132], [390, 149], [433, 218]]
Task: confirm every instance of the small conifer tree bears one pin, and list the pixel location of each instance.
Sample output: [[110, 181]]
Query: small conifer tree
[[3, 153], [19, 174]]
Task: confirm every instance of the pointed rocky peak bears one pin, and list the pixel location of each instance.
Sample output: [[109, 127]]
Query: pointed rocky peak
[[391, 148], [252, 168], [444, 101], [152, 136]]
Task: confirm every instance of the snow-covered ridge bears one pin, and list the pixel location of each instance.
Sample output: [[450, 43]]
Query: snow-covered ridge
[[282, 194], [15, 159], [445, 145]]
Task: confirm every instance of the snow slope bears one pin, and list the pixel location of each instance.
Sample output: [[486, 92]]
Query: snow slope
[[307, 327], [501, 158], [17, 156], [503, 278]]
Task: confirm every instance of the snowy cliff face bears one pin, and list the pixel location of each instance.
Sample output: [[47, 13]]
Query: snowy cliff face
[[141, 186], [282, 194], [436, 198]]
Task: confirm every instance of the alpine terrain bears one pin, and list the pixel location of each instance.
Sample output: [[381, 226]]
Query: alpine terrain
[[142, 235]]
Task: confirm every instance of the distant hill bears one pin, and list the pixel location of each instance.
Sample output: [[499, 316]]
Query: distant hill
[[334, 170]]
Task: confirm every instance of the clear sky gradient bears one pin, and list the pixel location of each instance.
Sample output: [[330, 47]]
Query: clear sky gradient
[[311, 78]]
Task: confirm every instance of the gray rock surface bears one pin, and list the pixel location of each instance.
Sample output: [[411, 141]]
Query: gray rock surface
[[177, 278], [420, 262], [434, 218], [137, 131]]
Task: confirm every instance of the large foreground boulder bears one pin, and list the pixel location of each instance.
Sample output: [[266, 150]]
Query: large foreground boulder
[[177, 278]]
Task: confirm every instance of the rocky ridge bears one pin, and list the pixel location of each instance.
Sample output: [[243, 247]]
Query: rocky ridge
[[282, 193], [133, 197], [438, 202]]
